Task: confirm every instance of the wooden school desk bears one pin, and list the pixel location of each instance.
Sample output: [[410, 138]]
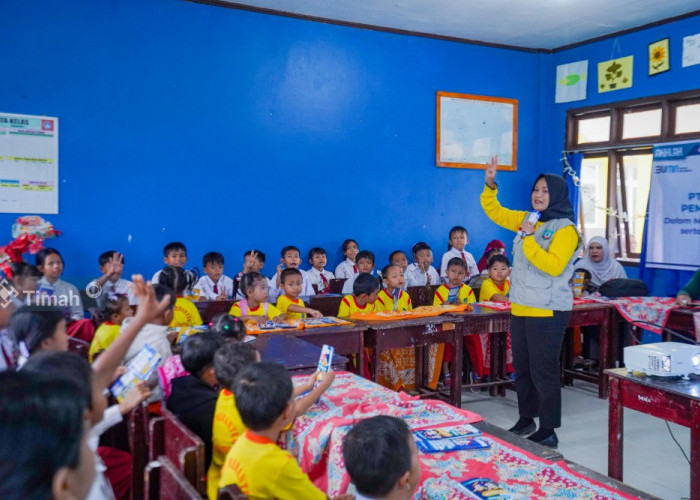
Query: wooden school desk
[[296, 355], [674, 400], [496, 324], [681, 319], [419, 333], [347, 339], [592, 314]]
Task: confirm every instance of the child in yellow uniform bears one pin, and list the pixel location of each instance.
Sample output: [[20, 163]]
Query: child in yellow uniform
[[228, 426], [178, 280], [255, 463], [289, 302], [365, 291], [255, 306], [114, 310], [396, 367], [393, 297], [497, 286], [494, 289], [454, 292]]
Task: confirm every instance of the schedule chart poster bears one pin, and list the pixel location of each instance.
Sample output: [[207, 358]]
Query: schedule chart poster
[[673, 235], [28, 164]]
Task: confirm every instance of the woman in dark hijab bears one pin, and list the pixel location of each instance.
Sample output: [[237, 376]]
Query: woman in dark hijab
[[543, 255]]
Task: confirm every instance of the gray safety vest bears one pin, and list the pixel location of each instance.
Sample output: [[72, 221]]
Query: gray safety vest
[[531, 287]]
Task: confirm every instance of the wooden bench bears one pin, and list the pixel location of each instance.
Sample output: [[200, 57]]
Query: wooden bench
[[170, 437]]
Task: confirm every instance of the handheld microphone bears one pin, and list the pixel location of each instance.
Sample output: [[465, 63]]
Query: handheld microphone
[[533, 217]]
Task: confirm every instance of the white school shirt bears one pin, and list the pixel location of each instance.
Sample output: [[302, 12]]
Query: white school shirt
[[157, 337], [315, 278], [347, 286], [101, 489], [206, 287], [65, 293], [121, 287], [306, 289], [415, 277], [472, 268], [346, 269]]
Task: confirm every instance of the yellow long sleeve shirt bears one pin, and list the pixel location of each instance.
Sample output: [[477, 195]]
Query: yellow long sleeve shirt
[[552, 261]]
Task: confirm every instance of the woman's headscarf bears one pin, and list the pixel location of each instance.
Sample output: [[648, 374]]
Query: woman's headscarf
[[559, 205], [605, 270], [493, 245]]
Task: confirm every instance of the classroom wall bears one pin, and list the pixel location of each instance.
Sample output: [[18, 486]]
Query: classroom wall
[[552, 136], [228, 130]]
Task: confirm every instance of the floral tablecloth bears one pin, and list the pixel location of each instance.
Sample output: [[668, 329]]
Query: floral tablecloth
[[316, 440]]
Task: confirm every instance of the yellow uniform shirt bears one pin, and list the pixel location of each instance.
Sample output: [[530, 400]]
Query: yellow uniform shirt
[[283, 303], [226, 430], [385, 302], [489, 289], [105, 334], [350, 306], [272, 311], [465, 295], [552, 261], [261, 469], [185, 313]]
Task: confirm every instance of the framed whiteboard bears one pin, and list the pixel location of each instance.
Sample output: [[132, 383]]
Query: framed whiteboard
[[473, 128]]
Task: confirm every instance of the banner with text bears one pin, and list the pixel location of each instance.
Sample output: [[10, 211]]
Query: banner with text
[[673, 231]]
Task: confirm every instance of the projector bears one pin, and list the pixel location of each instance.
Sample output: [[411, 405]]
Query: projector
[[664, 359]]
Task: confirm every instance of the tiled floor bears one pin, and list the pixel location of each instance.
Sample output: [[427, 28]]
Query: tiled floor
[[652, 461]]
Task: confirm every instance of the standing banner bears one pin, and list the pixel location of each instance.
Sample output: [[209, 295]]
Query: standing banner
[[28, 164], [673, 231]]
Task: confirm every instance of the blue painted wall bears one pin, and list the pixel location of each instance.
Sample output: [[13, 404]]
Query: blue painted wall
[[678, 79], [229, 130]]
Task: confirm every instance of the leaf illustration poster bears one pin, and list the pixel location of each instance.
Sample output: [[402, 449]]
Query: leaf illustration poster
[[615, 74]]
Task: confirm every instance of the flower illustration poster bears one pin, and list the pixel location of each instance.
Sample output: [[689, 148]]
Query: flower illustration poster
[[659, 57], [615, 74]]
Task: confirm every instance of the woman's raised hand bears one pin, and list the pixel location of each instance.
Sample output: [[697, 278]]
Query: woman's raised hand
[[490, 173]]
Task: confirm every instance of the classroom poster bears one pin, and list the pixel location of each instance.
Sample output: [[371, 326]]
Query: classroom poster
[[571, 82], [615, 74], [673, 230], [691, 50], [28, 164]]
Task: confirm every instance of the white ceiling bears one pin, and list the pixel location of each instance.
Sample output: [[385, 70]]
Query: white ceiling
[[534, 24]]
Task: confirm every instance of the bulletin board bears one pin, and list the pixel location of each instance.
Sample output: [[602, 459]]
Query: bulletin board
[[473, 128], [28, 164]]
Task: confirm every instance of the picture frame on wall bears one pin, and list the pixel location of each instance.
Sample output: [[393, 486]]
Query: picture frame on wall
[[659, 57], [473, 128]]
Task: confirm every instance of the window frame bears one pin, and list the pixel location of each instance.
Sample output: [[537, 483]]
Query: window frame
[[616, 148]]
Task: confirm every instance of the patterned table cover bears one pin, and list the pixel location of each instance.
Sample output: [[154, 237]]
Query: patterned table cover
[[316, 441]]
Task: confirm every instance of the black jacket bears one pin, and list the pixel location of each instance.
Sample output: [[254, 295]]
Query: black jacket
[[193, 402]]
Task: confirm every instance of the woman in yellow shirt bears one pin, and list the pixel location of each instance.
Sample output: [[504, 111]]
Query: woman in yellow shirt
[[543, 254]]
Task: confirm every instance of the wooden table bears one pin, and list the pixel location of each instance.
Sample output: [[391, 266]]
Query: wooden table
[[592, 314], [297, 356], [347, 339], [553, 455], [670, 399], [496, 324], [682, 319], [419, 333]]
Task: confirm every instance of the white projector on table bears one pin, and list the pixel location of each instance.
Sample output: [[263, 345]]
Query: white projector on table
[[664, 359]]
